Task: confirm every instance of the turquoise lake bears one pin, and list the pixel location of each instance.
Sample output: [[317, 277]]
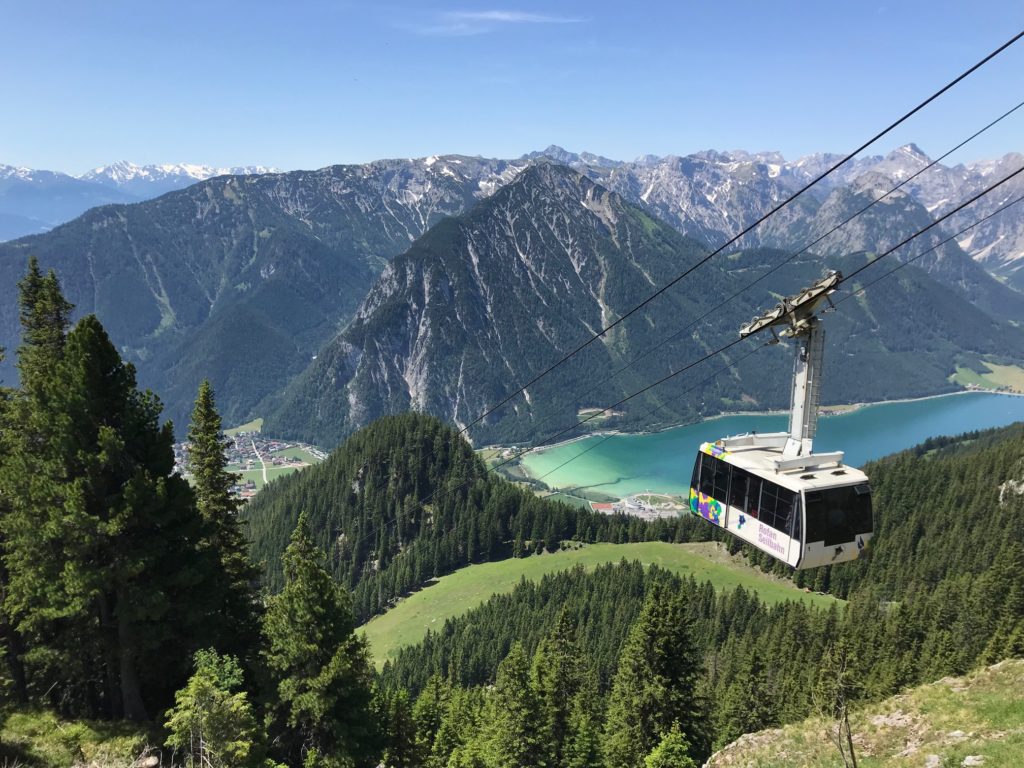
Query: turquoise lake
[[662, 461]]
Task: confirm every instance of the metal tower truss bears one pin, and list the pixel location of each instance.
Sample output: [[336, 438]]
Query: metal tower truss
[[795, 315]]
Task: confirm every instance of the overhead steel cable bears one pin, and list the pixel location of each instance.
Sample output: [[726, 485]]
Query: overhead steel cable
[[835, 307], [442, 493], [934, 223], [748, 229], [785, 261], [736, 341], [733, 343], [702, 382]]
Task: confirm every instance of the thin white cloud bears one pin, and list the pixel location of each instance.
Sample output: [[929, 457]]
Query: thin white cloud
[[462, 23], [510, 17]]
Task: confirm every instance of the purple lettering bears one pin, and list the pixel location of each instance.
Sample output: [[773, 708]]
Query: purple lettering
[[769, 538]]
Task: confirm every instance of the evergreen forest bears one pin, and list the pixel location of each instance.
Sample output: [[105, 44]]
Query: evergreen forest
[[132, 596]]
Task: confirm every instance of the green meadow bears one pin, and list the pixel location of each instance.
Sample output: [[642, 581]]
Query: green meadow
[[453, 595]]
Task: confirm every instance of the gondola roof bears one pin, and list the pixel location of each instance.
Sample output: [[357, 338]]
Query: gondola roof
[[760, 455]]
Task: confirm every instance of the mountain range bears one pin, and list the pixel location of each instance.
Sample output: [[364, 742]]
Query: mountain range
[[490, 299], [241, 278], [709, 195], [34, 201], [323, 298]]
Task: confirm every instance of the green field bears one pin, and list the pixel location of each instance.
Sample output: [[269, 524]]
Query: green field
[[998, 376], [256, 475], [453, 595], [565, 498], [297, 453], [253, 426]]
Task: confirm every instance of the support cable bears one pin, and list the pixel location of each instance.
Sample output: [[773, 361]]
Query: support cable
[[748, 229], [777, 267], [518, 455], [438, 494]]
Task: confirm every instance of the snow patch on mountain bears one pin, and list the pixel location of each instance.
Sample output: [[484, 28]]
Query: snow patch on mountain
[[123, 172]]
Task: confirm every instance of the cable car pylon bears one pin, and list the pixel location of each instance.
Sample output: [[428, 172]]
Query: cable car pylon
[[798, 316], [771, 490]]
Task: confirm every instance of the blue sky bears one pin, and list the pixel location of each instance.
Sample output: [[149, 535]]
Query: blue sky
[[308, 84]]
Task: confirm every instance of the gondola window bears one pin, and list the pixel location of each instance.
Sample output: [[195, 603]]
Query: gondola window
[[838, 515]]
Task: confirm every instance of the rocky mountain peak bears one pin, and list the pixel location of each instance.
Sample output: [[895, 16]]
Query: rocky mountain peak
[[913, 151], [572, 159]]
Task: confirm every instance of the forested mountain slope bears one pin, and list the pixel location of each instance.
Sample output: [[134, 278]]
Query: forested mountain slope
[[939, 592], [240, 279], [484, 302], [364, 507]]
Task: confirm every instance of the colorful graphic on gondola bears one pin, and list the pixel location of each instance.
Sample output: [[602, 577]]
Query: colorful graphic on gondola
[[714, 450], [706, 507]]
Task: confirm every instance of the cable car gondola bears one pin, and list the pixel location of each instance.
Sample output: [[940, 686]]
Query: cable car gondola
[[771, 490]]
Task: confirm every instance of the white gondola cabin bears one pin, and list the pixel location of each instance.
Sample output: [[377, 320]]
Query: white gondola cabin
[[771, 490], [806, 516]]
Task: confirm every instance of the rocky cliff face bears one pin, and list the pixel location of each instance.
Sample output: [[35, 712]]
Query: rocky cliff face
[[244, 278], [485, 301], [241, 278], [714, 195]]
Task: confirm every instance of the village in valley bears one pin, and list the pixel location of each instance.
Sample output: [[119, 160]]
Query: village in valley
[[256, 459], [647, 506]]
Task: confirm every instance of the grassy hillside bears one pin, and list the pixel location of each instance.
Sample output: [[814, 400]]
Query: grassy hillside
[[43, 740], [941, 724], [452, 595]]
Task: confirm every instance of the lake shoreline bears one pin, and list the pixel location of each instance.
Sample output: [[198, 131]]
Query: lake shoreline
[[617, 464], [825, 413]]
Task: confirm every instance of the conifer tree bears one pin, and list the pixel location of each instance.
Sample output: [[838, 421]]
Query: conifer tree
[[672, 752], [512, 722], [557, 677], [428, 712], [106, 582], [747, 704], [212, 723], [321, 668], [13, 645], [1007, 587], [45, 316], [583, 743], [401, 747], [459, 726], [655, 684], [212, 482]]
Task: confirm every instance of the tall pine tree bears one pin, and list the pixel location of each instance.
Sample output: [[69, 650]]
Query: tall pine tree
[[106, 578], [512, 730], [655, 685], [44, 315], [321, 668], [13, 645], [557, 679], [212, 482], [106, 582]]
